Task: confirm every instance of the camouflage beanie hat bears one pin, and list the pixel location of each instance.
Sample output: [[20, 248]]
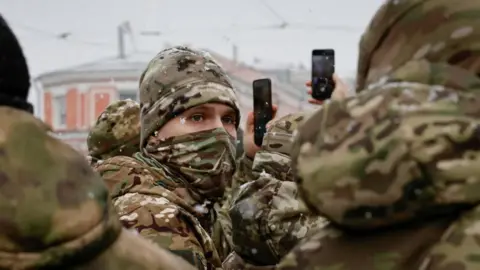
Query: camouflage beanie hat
[[274, 157], [437, 31], [178, 79], [116, 132]]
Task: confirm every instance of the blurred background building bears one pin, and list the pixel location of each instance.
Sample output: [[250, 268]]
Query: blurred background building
[[70, 100]]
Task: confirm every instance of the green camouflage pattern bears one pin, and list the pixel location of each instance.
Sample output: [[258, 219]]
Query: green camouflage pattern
[[222, 234], [55, 211], [116, 131], [205, 160], [178, 79], [438, 31], [222, 231], [268, 217], [162, 195], [160, 209], [395, 168]]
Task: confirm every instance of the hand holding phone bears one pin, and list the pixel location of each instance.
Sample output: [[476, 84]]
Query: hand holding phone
[[323, 68], [262, 108]]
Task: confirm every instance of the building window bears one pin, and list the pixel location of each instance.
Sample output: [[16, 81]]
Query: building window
[[60, 111], [122, 95]]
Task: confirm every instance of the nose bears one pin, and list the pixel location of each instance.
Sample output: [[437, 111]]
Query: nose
[[218, 123]]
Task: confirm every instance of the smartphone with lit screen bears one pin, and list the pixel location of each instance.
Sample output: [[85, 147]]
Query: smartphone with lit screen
[[323, 67]]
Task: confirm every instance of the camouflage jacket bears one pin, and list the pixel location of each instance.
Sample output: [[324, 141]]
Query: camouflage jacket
[[268, 217], [222, 232], [395, 170], [56, 212], [166, 215]]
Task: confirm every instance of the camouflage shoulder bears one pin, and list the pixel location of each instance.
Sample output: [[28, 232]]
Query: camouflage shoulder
[[164, 223], [123, 174], [398, 122]]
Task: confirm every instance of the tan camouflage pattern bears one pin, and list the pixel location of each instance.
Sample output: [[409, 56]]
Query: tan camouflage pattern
[[116, 131], [438, 31], [178, 79], [222, 232], [268, 217], [56, 212], [158, 195], [160, 212], [395, 168]]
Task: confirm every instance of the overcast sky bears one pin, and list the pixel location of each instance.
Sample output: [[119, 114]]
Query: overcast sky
[[215, 24]]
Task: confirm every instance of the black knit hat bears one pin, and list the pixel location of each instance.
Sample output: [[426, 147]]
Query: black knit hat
[[14, 76]]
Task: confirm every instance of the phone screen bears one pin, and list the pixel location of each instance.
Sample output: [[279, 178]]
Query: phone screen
[[262, 108], [323, 67]]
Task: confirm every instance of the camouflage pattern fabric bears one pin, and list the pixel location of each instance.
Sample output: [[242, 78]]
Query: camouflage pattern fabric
[[395, 168], [239, 142], [268, 217], [178, 79], [222, 232], [160, 209], [205, 159], [437, 31], [167, 191], [116, 131], [56, 212]]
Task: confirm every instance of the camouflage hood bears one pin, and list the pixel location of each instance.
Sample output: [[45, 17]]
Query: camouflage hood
[[436, 31], [178, 79], [274, 157], [55, 211], [116, 131], [408, 148]]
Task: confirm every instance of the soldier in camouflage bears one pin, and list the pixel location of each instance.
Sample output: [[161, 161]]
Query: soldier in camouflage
[[55, 211], [116, 132], [268, 217], [395, 169], [189, 117]]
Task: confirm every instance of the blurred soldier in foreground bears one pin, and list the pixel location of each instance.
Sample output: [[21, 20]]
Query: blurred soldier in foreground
[[268, 218], [116, 132], [395, 169], [54, 210], [189, 124]]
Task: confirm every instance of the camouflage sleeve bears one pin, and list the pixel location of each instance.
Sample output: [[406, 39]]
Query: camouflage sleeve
[[163, 223], [268, 219]]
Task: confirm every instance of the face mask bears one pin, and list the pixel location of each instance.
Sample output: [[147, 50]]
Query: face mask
[[206, 159]]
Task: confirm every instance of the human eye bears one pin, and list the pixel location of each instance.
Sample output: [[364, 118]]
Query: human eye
[[198, 117], [229, 120]]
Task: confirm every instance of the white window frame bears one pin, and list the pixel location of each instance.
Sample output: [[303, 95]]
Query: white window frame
[[57, 102]]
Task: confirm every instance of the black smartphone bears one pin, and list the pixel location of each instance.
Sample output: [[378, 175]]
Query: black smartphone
[[262, 108], [323, 67]]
